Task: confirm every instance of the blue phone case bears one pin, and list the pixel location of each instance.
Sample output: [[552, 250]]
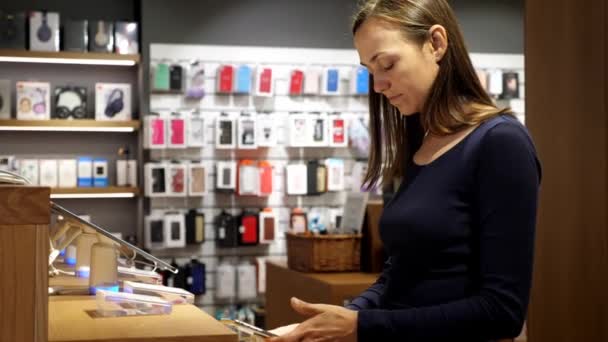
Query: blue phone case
[[332, 80], [243, 79], [362, 81]]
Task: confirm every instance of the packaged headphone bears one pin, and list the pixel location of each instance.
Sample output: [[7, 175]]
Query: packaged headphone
[[101, 37], [33, 100], [112, 101], [5, 99], [12, 30], [70, 102], [44, 31], [126, 37], [268, 226], [75, 35]]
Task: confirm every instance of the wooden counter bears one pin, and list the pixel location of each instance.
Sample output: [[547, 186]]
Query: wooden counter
[[328, 288], [69, 320], [24, 243]]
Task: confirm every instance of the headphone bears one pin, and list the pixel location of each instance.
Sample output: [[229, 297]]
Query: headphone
[[70, 101], [44, 32], [115, 102], [101, 38]]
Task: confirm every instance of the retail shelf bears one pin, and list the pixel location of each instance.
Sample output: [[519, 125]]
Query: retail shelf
[[69, 125], [107, 192], [68, 57]]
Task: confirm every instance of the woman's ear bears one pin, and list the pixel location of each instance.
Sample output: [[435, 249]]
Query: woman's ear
[[439, 41]]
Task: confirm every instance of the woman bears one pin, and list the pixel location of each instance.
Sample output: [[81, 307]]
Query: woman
[[460, 229]]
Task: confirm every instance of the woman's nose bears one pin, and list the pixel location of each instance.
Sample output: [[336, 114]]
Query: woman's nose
[[380, 85]]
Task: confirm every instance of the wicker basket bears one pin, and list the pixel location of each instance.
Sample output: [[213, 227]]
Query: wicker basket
[[323, 253]]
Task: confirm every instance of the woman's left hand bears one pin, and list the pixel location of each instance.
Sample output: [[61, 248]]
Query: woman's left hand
[[327, 323]]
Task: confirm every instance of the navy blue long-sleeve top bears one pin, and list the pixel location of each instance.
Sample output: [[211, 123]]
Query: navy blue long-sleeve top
[[459, 233]]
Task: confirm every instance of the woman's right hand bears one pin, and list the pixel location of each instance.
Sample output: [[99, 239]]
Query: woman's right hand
[[284, 329]]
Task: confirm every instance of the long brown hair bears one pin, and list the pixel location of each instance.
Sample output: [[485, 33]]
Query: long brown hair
[[456, 99]]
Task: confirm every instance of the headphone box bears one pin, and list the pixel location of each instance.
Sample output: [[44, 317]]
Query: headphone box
[[125, 37], [101, 37], [12, 30], [33, 100], [70, 102], [113, 101], [5, 99], [75, 35], [44, 31]]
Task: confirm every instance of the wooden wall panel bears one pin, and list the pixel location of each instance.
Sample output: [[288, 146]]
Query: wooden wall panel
[[566, 111]]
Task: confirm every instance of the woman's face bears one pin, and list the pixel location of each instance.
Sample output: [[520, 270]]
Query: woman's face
[[403, 71]]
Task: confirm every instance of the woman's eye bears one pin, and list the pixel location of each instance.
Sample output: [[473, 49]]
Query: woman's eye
[[388, 67]]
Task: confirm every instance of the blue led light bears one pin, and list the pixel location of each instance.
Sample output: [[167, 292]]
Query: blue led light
[[62, 252], [70, 261], [110, 288], [83, 272]]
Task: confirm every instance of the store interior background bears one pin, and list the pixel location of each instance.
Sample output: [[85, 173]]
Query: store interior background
[[489, 27]]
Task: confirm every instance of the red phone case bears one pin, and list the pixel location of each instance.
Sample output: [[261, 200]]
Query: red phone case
[[226, 78], [296, 83], [265, 80]]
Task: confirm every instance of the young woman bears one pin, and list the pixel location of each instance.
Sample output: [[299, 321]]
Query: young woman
[[460, 228]]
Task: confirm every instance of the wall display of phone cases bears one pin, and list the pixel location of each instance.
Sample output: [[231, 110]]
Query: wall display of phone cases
[[298, 127], [156, 179], [176, 129], [247, 132], [225, 132], [267, 130], [154, 132], [196, 180], [195, 130]]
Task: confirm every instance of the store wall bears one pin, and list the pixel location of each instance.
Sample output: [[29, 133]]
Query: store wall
[[491, 26], [116, 215]]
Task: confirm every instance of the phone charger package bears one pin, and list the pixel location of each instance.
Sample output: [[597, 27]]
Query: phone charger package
[[85, 172], [100, 172], [48, 173], [29, 168], [68, 177]]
